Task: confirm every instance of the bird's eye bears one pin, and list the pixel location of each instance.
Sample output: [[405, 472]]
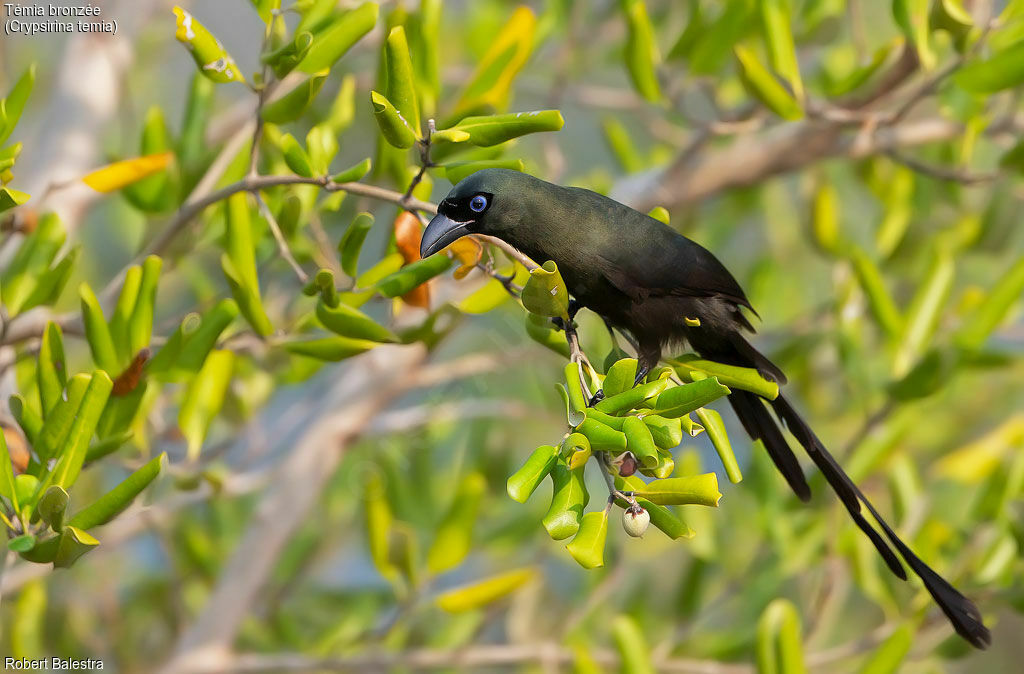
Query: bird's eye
[[478, 203]]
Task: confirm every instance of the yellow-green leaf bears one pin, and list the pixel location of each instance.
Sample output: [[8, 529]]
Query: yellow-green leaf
[[693, 490], [587, 547], [331, 43], [452, 540], [484, 592], [204, 398], [522, 483], [213, 61], [761, 84], [545, 293], [489, 130], [393, 126], [291, 106], [641, 53]]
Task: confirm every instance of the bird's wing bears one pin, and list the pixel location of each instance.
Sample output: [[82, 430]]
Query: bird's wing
[[671, 265]]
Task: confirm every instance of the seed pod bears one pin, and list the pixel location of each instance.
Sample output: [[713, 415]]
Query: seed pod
[[635, 521]]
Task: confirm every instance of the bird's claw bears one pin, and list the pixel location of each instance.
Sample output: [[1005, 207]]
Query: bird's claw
[[641, 374], [596, 398]]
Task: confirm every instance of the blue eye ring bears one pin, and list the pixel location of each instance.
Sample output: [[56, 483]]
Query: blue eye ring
[[478, 203]]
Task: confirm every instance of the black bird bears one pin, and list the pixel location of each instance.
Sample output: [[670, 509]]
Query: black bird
[[643, 277]]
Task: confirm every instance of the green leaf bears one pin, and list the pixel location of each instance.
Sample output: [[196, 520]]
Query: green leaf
[[694, 490], [1004, 70], [331, 43], [13, 105], [540, 330], [350, 322], [778, 648], [140, 323], [923, 314], [198, 108], [53, 434], [247, 298], [764, 87], [775, 22], [587, 547], [111, 504], [490, 85], [574, 389], [73, 544], [352, 243], [7, 488], [681, 400], [522, 483], [641, 52], [20, 274], [204, 398], [713, 424], [879, 300], [379, 525], [453, 538], [667, 433], [118, 324], [330, 348], [388, 265], [484, 592], [395, 128], [200, 341], [886, 659], [28, 419], [640, 441], [545, 293], [825, 210], [97, 333], [353, 173], [9, 198], [213, 61], [52, 505], [993, 308], [602, 437], [456, 171], [401, 87], [292, 105], [691, 369], [568, 499], [632, 646], [285, 58], [72, 452], [295, 156], [51, 375], [912, 18], [158, 191], [492, 130], [622, 146], [50, 283], [621, 377], [413, 275], [22, 543]]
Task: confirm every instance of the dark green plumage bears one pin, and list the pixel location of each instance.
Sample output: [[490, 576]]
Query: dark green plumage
[[643, 277]]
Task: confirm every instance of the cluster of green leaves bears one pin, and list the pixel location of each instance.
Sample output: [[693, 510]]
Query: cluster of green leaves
[[11, 107], [634, 427]]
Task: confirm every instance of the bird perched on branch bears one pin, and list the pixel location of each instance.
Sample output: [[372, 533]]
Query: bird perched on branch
[[643, 277]]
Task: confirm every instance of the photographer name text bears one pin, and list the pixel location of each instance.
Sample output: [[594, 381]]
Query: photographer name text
[[54, 663], [36, 19]]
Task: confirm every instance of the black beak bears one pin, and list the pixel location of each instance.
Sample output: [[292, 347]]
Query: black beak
[[441, 231]]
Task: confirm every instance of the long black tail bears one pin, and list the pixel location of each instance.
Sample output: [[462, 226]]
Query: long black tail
[[760, 425]]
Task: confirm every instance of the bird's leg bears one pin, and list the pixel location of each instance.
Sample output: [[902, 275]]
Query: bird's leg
[[573, 309], [641, 374]]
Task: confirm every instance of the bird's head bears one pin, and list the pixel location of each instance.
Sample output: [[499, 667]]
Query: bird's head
[[482, 203]]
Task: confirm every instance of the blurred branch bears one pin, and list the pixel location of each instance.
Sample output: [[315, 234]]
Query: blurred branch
[[949, 173], [371, 383], [782, 149]]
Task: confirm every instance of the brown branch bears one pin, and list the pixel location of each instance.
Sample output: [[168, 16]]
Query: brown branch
[[783, 149]]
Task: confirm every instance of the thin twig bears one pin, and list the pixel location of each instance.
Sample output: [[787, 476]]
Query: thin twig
[[282, 245]]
